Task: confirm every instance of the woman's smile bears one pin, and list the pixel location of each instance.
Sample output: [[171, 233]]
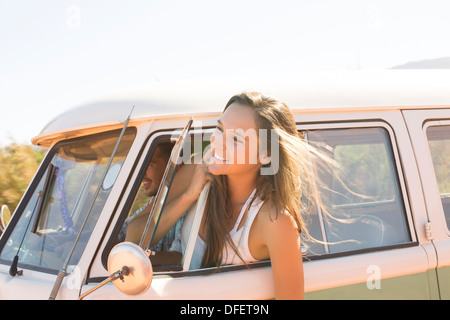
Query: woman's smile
[[217, 158]]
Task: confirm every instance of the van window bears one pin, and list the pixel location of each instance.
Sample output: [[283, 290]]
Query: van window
[[57, 208], [362, 204], [168, 254], [439, 142], [169, 250]]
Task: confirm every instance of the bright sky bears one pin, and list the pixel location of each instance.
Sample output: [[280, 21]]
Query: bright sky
[[55, 54]]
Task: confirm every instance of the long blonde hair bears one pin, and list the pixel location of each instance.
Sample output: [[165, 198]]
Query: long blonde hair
[[284, 188]]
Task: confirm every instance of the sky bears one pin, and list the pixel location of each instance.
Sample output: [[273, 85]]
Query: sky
[[55, 54]]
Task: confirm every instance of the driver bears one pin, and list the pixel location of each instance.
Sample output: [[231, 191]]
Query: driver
[[168, 249]]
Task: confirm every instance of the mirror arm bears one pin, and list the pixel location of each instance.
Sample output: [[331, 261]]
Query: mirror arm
[[137, 262], [119, 274]]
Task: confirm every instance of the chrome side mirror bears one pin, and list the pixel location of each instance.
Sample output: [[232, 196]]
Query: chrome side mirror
[[5, 216], [130, 270]]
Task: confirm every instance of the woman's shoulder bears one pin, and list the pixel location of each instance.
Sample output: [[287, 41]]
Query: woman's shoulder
[[272, 219], [275, 228]]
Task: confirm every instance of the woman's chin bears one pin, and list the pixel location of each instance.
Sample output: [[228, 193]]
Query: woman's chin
[[217, 169]]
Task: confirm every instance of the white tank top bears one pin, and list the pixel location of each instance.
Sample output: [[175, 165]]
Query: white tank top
[[239, 237]]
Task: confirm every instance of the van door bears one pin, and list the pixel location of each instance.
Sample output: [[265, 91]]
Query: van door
[[173, 280], [364, 244], [430, 134]]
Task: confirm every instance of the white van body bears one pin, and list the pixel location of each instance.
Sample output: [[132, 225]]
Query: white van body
[[392, 115]]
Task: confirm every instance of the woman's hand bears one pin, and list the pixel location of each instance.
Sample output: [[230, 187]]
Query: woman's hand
[[186, 188], [200, 177]]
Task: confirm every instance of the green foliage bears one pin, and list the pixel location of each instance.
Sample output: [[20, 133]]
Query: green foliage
[[440, 153], [366, 170], [18, 164]]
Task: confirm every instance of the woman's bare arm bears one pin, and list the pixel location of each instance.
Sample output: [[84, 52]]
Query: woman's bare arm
[[186, 188], [281, 238]]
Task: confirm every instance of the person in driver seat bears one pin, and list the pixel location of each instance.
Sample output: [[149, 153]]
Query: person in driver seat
[[168, 249]]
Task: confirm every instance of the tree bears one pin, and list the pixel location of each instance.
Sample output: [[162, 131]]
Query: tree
[[18, 165]]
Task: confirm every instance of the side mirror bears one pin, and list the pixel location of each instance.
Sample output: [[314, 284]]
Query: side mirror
[[130, 255], [130, 270], [5, 216]]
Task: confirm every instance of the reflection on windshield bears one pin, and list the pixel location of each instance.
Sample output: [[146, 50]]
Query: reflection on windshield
[[52, 218]]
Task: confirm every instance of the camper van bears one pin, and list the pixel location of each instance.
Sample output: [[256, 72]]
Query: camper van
[[385, 233]]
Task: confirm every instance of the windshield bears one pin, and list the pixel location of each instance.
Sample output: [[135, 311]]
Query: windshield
[[56, 209]]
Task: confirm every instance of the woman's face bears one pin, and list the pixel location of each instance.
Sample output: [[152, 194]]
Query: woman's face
[[234, 143]]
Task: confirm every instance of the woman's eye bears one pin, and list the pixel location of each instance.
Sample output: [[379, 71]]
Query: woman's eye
[[238, 140]]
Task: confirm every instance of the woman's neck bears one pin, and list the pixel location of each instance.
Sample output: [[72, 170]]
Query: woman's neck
[[240, 188]]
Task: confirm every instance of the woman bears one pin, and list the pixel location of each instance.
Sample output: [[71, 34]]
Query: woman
[[250, 215]]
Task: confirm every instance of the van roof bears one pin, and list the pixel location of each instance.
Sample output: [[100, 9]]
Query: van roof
[[318, 91]]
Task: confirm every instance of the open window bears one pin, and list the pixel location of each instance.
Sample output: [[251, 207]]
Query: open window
[[162, 162], [167, 253]]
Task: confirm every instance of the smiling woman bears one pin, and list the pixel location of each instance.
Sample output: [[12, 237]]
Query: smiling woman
[[233, 143], [249, 216]]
